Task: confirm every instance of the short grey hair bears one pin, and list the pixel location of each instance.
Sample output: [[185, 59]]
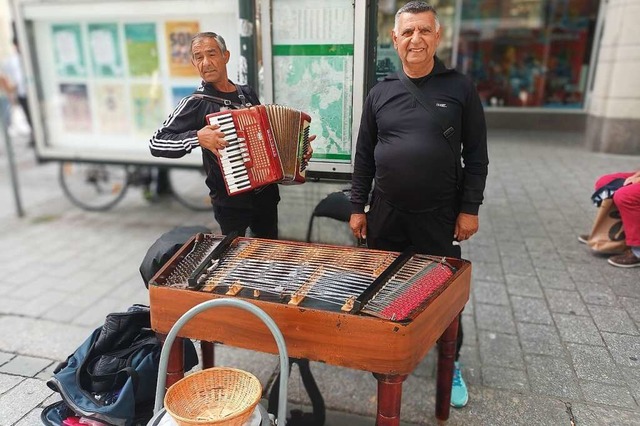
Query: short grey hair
[[415, 7], [208, 34]]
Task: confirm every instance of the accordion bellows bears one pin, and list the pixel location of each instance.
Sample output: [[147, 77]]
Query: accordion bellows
[[266, 145]]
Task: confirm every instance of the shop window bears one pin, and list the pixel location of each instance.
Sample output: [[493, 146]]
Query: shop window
[[528, 53]]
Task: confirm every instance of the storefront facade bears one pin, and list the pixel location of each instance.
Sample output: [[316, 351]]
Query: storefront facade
[[520, 53], [560, 65]]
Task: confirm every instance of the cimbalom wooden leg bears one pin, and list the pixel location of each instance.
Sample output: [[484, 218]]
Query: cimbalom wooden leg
[[175, 366], [446, 358], [389, 399], [207, 354]]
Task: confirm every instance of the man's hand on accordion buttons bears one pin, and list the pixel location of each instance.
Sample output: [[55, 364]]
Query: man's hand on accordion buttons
[[211, 138], [307, 155]]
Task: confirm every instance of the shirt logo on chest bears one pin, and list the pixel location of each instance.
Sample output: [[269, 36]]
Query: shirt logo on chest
[[441, 105]]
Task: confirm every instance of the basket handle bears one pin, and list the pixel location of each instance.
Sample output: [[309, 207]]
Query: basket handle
[[237, 303]]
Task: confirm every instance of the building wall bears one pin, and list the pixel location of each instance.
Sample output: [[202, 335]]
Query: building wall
[[613, 122]]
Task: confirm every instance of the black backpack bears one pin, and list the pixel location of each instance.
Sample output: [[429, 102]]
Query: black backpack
[[112, 376]]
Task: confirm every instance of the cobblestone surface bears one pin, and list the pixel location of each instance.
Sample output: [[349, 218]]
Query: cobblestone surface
[[551, 331]]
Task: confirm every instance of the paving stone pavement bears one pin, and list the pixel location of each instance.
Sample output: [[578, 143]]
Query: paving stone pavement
[[551, 331]]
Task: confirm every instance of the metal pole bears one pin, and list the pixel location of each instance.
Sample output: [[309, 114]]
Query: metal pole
[[248, 64], [237, 303], [4, 134]]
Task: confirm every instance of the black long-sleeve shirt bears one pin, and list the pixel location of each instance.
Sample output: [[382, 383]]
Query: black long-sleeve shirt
[[402, 146], [178, 137]]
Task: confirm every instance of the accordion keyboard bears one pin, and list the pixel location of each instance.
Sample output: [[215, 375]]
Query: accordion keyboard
[[234, 157]]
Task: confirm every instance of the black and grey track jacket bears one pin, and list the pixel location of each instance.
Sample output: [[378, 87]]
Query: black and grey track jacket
[[402, 147], [178, 137]]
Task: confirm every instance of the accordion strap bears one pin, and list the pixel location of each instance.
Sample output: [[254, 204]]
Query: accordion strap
[[226, 102], [447, 132]]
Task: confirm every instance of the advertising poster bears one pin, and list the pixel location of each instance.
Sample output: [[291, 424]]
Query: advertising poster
[[68, 48], [142, 49], [148, 108], [104, 43], [178, 39], [313, 69], [76, 113], [111, 109]]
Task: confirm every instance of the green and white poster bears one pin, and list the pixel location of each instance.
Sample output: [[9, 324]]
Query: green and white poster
[[104, 43], [142, 49], [148, 107], [313, 69], [68, 50]]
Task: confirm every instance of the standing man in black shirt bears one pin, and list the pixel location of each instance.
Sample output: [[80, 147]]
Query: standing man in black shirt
[[186, 129], [423, 197]]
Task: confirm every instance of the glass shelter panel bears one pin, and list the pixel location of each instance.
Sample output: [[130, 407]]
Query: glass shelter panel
[[107, 73]]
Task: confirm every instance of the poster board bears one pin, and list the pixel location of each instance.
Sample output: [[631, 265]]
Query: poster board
[[314, 61], [106, 74]]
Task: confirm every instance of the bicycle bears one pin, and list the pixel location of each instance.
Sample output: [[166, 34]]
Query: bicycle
[[100, 186]]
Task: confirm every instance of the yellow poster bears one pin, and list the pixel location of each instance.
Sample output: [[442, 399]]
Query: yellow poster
[[179, 36]]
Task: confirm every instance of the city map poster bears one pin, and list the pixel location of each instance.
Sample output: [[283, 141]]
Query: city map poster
[[112, 109], [312, 48], [178, 40], [148, 108], [68, 50], [142, 49], [76, 111], [321, 87], [104, 43]]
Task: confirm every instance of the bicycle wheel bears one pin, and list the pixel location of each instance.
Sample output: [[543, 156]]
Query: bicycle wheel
[[189, 188], [93, 186]]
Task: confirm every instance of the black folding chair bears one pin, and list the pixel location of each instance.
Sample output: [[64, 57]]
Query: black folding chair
[[335, 206]]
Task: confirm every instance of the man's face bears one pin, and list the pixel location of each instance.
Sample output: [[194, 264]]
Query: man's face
[[209, 60], [417, 39]]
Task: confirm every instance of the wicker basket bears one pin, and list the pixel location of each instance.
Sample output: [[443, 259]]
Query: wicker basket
[[215, 396]]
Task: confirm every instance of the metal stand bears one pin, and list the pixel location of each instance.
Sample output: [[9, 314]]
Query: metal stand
[[266, 319], [4, 134]]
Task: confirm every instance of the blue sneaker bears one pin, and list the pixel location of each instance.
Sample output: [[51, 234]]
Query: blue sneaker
[[459, 393]]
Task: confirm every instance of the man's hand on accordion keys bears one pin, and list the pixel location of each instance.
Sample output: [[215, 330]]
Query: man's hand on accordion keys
[[211, 138], [307, 155]]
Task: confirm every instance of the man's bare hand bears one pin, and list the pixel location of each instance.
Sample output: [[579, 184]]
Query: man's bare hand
[[635, 178], [466, 226], [358, 225], [307, 155], [212, 138]]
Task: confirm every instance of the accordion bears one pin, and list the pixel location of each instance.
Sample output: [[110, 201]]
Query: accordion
[[266, 145]]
